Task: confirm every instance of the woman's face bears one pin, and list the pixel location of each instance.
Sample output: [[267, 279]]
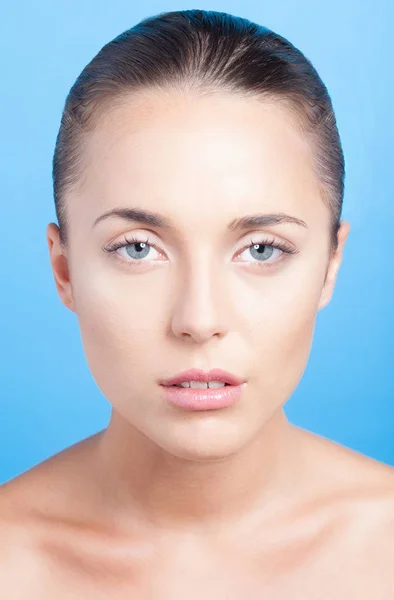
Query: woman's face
[[201, 296]]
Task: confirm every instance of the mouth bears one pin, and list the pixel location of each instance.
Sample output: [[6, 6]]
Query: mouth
[[201, 385], [196, 378]]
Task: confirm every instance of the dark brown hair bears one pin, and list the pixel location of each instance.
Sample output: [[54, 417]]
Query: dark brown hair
[[201, 51]]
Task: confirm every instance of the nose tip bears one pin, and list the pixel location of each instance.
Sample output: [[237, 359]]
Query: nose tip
[[200, 334], [199, 311]]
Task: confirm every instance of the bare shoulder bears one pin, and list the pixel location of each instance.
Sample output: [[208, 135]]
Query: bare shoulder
[[41, 499], [49, 507], [39, 510], [357, 486]]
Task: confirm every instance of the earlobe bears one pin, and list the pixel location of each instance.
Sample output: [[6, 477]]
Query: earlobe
[[59, 263], [327, 290], [333, 266], [329, 281]]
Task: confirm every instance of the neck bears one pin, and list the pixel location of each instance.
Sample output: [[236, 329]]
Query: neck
[[169, 492]]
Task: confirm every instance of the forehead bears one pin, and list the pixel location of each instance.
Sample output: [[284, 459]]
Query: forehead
[[190, 155]]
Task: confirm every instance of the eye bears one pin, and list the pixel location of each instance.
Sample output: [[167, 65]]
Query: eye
[[134, 248], [262, 250]]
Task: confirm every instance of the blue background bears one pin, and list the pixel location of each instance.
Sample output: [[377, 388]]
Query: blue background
[[49, 400]]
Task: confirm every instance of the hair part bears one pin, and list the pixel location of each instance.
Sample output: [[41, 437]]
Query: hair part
[[203, 52]]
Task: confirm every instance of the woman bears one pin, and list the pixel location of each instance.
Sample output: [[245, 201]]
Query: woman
[[198, 180]]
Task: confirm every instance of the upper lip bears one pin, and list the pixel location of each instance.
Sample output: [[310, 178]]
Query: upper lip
[[198, 375]]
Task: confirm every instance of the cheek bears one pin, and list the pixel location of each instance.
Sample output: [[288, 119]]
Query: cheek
[[285, 330], [283, 338], [117, 329]]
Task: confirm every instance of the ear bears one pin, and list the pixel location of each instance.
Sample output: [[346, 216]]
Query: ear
[[333, 266], [60, 268]]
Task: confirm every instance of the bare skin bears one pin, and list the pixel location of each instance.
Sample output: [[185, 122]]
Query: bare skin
[[334, 537], [228, 503]]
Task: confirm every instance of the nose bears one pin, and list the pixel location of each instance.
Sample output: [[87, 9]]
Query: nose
[[199, 310]]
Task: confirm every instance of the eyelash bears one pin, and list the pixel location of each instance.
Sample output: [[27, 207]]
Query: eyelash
[[284, 246]]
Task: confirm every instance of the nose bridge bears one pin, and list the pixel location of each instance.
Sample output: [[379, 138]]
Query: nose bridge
[[200, 301]]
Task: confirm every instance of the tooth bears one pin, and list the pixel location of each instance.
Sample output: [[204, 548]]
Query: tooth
[[198, 384], [202, 384], [216, 384]]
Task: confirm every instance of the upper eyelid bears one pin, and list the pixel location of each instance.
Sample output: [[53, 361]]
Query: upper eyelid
[[274, 243], [256, 235]]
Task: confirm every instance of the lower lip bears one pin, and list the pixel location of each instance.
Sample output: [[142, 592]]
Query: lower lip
[[204, 399]]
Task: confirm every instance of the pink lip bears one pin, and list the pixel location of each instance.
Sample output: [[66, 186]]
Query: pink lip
[[203, 399], [198, 375]]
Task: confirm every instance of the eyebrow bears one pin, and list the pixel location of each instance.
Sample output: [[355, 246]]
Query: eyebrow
[[146, 217]]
